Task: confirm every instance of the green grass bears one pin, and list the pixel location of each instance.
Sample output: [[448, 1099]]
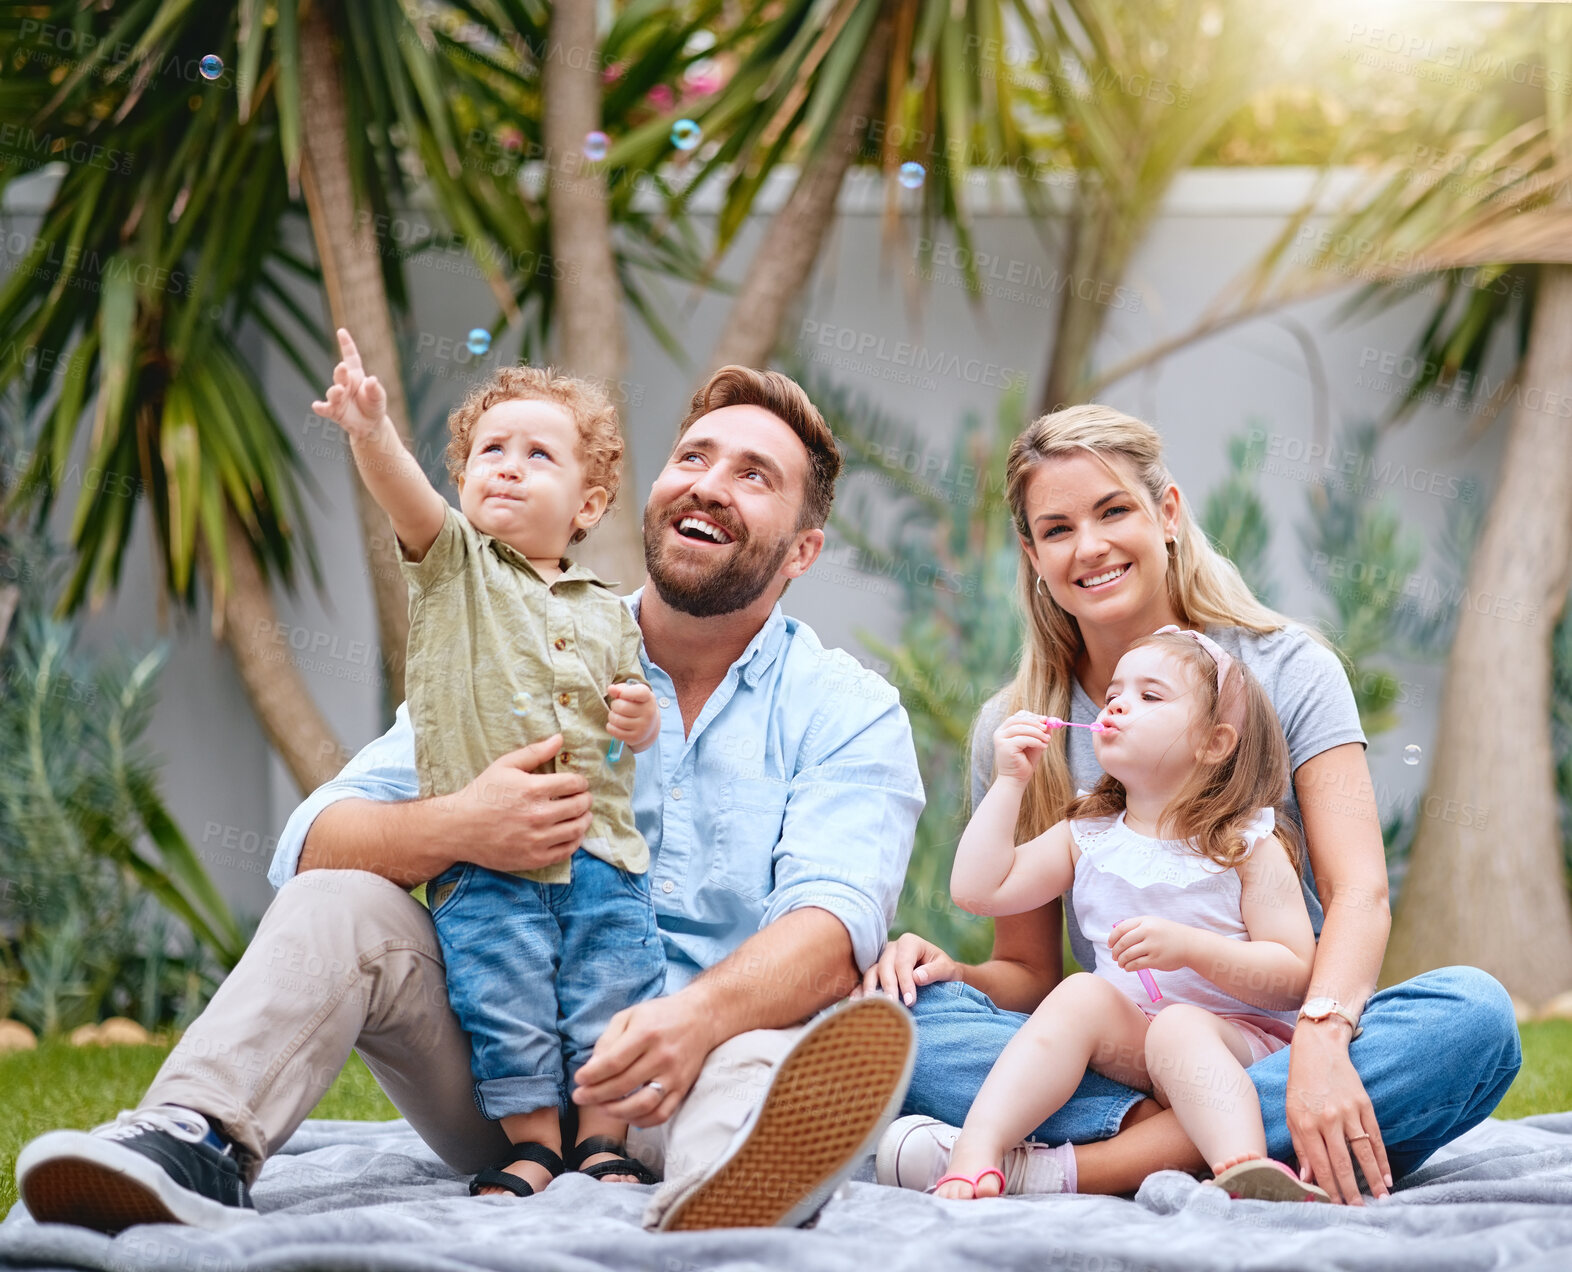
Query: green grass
[[64, 1086], [60, 1086]]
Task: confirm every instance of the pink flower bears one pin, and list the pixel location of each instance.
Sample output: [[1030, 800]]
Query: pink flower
[[661, 97]]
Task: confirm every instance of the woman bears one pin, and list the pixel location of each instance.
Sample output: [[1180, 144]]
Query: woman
[[1111, 552]]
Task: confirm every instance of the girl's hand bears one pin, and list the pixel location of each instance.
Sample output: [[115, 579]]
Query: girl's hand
[[907, 963], [1018, 744], [1145, 943], [634, 717], [355, 401], [1330, 1118]]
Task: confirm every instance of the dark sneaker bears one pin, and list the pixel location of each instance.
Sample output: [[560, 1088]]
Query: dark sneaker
[[151, 1166], [829, 1100]]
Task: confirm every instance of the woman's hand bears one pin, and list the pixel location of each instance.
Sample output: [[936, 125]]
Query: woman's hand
[[907, 963], [1148, 944], [1018, 744], [1330, 1118]]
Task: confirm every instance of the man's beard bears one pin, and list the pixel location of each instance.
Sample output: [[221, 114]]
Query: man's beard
[[723, 586]]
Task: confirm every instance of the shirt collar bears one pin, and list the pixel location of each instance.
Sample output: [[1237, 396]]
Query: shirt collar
[[572, 571], [762, 650]]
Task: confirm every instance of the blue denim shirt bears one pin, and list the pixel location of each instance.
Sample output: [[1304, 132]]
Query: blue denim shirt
[[798, 786]]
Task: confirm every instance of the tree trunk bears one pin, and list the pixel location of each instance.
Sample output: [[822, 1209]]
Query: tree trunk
[[591, 342], [1096, 252], [284, 707], [352, 272], [1487, 886], [784, 261]]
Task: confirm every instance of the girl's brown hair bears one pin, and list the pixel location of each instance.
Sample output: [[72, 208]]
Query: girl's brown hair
[[1204, 587], [1213, 806]]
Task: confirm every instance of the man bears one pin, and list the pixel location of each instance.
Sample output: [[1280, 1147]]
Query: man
[[779, 806]]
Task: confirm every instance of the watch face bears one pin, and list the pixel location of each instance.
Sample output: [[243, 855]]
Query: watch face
[[1318, 1008]]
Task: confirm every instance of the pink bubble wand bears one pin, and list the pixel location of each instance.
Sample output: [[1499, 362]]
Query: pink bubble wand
[[1054, 722], [1148, 981]]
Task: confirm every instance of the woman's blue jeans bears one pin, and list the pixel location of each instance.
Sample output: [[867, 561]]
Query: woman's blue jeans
[[1437, 1054]]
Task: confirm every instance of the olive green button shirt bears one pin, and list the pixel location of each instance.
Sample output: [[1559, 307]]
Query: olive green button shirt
[[499, 658]]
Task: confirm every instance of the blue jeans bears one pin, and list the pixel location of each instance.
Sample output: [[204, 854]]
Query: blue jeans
[[1437, 1054], [537, 970]]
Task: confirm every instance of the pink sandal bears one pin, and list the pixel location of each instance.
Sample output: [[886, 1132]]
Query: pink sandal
[[1262, 1179], [973, 1180]]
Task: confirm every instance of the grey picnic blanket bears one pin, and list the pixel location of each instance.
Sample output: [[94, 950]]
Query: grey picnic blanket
[[370, 1195]]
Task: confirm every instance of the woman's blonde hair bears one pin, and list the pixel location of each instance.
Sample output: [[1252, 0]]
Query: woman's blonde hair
[[1204, 587], [1218, 797]]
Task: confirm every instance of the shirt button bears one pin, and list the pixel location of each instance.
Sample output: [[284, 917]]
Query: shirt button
[[668, 886], [563, 699], [676, 792], [665, 702], [560, 643]]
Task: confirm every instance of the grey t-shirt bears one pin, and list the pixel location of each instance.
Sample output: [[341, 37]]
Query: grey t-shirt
[[1306, 684]]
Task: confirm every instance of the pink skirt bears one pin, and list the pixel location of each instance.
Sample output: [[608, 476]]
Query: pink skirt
[[1262, 1034]]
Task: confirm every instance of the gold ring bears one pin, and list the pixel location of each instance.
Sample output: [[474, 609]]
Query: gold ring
[[1352, 1138]]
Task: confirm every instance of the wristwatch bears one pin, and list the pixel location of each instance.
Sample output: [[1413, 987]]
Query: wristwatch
[[1321, 1008]]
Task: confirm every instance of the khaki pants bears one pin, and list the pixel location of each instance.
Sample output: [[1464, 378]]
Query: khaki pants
[[345, 960]]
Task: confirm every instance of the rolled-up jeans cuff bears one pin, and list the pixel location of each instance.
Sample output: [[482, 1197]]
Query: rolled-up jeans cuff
[[498, 1098], [1088, 1118]]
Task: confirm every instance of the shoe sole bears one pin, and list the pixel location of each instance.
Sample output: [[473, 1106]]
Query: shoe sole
[[830, 1100], [1261, 1180], [76, 1178]]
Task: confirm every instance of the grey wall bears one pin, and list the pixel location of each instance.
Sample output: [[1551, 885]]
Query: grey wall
[[232, 796]]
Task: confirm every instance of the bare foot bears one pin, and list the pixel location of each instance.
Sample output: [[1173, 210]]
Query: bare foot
[[964, 1160], [595, 1159], [532, 1173], [1234, 1161]]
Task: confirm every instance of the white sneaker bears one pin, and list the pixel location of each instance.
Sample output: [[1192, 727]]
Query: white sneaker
[[915, 1153]]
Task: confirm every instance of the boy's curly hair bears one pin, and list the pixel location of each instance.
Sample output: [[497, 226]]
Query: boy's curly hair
[[600, 440]]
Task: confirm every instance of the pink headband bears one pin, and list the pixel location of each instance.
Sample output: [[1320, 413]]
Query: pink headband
[[1231, 710]]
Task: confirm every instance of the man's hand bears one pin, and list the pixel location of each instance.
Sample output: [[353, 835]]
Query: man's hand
[[634, 716], [355, 401], [1145, 943], [518, 819], [663, 1040]]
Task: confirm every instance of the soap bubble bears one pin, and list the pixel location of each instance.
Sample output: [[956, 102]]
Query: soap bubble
[[911, 175], [596, 145], [522, 702], [212, 66], [686, 135], [1411, 754], [478, 341]]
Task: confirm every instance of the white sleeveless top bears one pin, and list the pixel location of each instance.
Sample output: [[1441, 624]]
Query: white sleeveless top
[[1122, 874]]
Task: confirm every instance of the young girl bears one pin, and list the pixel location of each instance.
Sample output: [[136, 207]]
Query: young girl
[[1189, 892]]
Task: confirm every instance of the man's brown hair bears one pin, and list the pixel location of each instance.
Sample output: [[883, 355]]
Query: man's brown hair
[[599, 439], [785, 399]]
